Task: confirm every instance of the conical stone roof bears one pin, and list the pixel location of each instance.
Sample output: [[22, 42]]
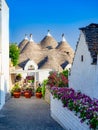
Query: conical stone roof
[[22, 44], [30, 46], [46, 57], [48, 42], [65, 47], [51, 64]]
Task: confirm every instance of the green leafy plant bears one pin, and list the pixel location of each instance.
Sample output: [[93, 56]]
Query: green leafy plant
[[29, 88], [65, 73], [15, 88], [39, 90], [14, 53], [44, 83]]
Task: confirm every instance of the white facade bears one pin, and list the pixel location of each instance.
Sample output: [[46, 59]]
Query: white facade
[[31, 65], [39, 74], [4, 51], [84, 75], [42, 75]]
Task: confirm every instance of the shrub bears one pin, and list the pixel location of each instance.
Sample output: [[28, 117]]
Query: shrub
[[15, 88], [57, 79], [39, 90], [65, 73], [14, 53], [44, 83]]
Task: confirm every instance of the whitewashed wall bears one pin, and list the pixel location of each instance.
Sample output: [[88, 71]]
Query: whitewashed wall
[[83, 74], [2, 91], [43, 74], [5, 42], [39, 75], [4, 49], [65, 117], [29, 63]]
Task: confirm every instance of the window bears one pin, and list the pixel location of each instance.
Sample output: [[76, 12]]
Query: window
[[82, 58], [31, 67]]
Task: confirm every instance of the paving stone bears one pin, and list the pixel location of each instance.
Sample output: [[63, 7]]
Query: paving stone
[[27, 114]]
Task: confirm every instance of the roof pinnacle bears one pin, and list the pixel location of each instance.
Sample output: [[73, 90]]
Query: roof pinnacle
[[63, 38], [48, 34], [26, 38], [31, 40]]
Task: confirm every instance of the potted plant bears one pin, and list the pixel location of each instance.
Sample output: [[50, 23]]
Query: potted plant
[[39, 92], [16, 91], [18, 77], [28, 92]]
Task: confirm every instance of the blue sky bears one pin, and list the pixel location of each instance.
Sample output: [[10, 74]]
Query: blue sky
[[59, 16]]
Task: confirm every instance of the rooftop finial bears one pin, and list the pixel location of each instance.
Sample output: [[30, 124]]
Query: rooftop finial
[[48, 34], [26, 38], [63, 38], [31, 40]]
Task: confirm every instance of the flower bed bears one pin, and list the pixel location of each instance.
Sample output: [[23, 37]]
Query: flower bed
[[82, 106], [65, 117]]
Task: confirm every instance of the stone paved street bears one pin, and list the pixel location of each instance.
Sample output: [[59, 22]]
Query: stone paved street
[[27, 114]]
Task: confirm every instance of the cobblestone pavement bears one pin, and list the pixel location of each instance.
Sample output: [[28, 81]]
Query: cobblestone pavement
[[27, 114]]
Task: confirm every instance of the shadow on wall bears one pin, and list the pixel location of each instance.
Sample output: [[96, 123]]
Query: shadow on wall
[[2, 98], [3, 90]]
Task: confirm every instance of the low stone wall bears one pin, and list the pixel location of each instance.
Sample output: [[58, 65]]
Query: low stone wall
[[65, 117]]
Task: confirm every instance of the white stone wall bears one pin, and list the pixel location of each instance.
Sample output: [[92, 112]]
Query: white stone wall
[[29, 63], [43, 74], [4, 47], [65, 117], [83, 74], [2, 91]]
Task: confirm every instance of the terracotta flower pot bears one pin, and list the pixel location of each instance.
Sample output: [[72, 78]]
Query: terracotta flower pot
[[27, 94], [16, 94], [38, 94]]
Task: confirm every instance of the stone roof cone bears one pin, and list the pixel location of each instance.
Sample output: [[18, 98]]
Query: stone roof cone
[[23, 43], [65, 47], [48, 41], [50, 54], [30, 46], [51, 63]]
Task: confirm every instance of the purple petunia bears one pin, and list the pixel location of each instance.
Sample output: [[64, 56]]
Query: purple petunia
[[78, 102]]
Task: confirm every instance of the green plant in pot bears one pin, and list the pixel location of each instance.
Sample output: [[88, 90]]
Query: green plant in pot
[[16, 91], [28, 92], [39, 92]]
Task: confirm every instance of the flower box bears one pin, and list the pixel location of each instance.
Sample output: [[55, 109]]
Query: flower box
[[65, 117]]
